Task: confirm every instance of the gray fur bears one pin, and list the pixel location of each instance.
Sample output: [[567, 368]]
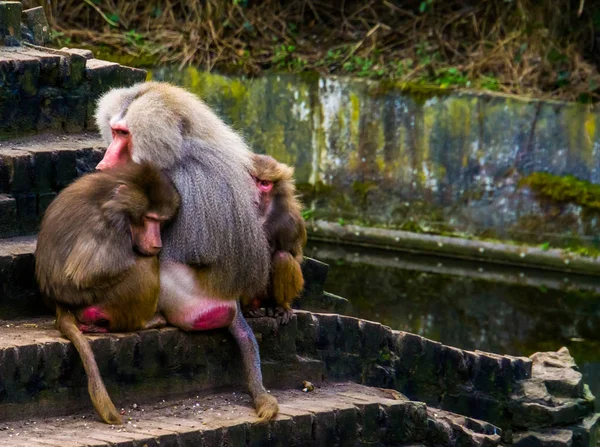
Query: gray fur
[[218, 224]]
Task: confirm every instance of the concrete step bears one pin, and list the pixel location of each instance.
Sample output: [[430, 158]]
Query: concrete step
[[162, 381], [34, 169], [41, 374], [343, 414], [20, 297], [474, 398], [44, 88]]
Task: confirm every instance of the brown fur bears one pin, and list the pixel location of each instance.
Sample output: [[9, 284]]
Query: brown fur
[[85, 257], [286, 279], [67, 325], [285, 230]]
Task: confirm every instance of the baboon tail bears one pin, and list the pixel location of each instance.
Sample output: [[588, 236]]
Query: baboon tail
[[287, 280], [67, 325]]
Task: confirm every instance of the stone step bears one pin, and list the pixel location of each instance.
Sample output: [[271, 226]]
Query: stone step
[[18, 292], [8, 215], [19, 295], [44, 88], [152, 374], [344, 414], [41, 374], [33, 170]]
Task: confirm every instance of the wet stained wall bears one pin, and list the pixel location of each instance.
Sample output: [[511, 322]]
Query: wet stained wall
[[373, 154]]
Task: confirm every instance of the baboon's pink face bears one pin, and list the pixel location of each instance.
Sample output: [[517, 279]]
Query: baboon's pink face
[[120, 149]]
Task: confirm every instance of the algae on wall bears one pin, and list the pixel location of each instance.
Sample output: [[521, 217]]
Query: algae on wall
[[371, 153]]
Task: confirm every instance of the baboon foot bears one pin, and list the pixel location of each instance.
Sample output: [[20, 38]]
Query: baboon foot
[[266, 406], [280, 314], [156, 322], [111, 416]]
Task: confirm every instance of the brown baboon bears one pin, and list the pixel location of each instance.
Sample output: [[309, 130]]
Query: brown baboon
[[97, 263], [284, 226]]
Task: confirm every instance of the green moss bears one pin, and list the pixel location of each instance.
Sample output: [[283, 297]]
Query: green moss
[[28, 83], [564, 189], [362, 189], [412, 226], [310, 77], [419, 93], [590, 252]]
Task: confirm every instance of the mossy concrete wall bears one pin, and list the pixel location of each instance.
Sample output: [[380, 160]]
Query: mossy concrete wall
[[374, 154]]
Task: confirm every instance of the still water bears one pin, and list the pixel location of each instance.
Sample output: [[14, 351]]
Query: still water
[[470, 305]]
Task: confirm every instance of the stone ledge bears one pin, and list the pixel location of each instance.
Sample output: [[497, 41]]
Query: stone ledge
[[584, 433], [39, 368], [334, 414], [453, 247], [8, 214], [554, 396], [10, 22], [43, 88], [33, 171], [47, 162], [18, 296]]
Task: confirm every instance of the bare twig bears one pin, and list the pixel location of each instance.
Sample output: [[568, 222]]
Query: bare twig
[[491, 40], [104, 16]]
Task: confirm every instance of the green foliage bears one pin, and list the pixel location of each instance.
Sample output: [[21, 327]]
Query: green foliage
[[114, 18], [489, 83], [424, 55], [403, 67], [575, 247], [134, 38], [450, 76], [362, 67], [385, 355], [412, 226], [285, 59], [308, 214], [425, 5], [59, 38]]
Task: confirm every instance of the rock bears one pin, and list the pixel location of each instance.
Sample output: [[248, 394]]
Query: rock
[[36, 22], [559, 372], [10, 23], [555, 394], [445, 428], [317, 272], [585, 434], [544, 438]]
